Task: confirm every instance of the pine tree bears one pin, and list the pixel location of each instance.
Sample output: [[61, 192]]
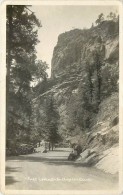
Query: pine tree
[[52, 121], [100, 19], [98, 63], [22, 37]]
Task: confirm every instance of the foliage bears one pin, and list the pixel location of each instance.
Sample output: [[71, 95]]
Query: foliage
[[45, 121], [110, 76], [112, 16], [40, 71], [52, 120], [100, 19], [22, 68]]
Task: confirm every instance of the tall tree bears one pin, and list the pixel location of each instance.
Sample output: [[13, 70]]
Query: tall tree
[[52, 121], [100, 19], [112, 16], [22, 37], [98, 63]]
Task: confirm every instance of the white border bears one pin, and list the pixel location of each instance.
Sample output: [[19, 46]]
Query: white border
[[3, 94]]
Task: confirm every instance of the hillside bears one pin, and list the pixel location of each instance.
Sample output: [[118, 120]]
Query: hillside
[[84, 91]]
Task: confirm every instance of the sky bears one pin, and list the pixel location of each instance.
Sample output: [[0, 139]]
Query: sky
[[57, 19]]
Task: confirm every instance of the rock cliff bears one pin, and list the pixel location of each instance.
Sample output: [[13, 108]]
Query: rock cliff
[[85, 94], [75, 46]]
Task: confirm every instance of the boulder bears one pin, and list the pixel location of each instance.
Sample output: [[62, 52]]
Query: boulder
[[92, 151], [44, 151], [91, 159], [79, 159], [88, 157], [114, 121], [85, 154]]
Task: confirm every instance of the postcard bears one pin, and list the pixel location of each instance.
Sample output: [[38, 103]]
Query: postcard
[[61, 97]]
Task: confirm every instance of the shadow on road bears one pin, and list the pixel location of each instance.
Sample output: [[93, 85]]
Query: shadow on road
[[51, 160], [10, 180], [12, 169], [60, 150]]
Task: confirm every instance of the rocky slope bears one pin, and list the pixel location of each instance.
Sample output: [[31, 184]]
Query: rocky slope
[[73, 51]]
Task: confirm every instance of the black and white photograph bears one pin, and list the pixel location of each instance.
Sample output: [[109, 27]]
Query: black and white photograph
[[62, 97]]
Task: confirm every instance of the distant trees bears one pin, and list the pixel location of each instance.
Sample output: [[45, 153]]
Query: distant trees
[[52, 122], [40, 71], [98, 63], [92, 80], [111, 16], [100, 19], [110, 76]]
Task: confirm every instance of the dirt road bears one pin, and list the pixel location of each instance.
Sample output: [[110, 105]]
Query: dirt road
[[52, 171]]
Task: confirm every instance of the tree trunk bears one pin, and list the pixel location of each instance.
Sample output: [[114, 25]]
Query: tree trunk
[[91, 85], [99, 86], [98, 67], [49, 146], [52, 146], [8, 59]]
